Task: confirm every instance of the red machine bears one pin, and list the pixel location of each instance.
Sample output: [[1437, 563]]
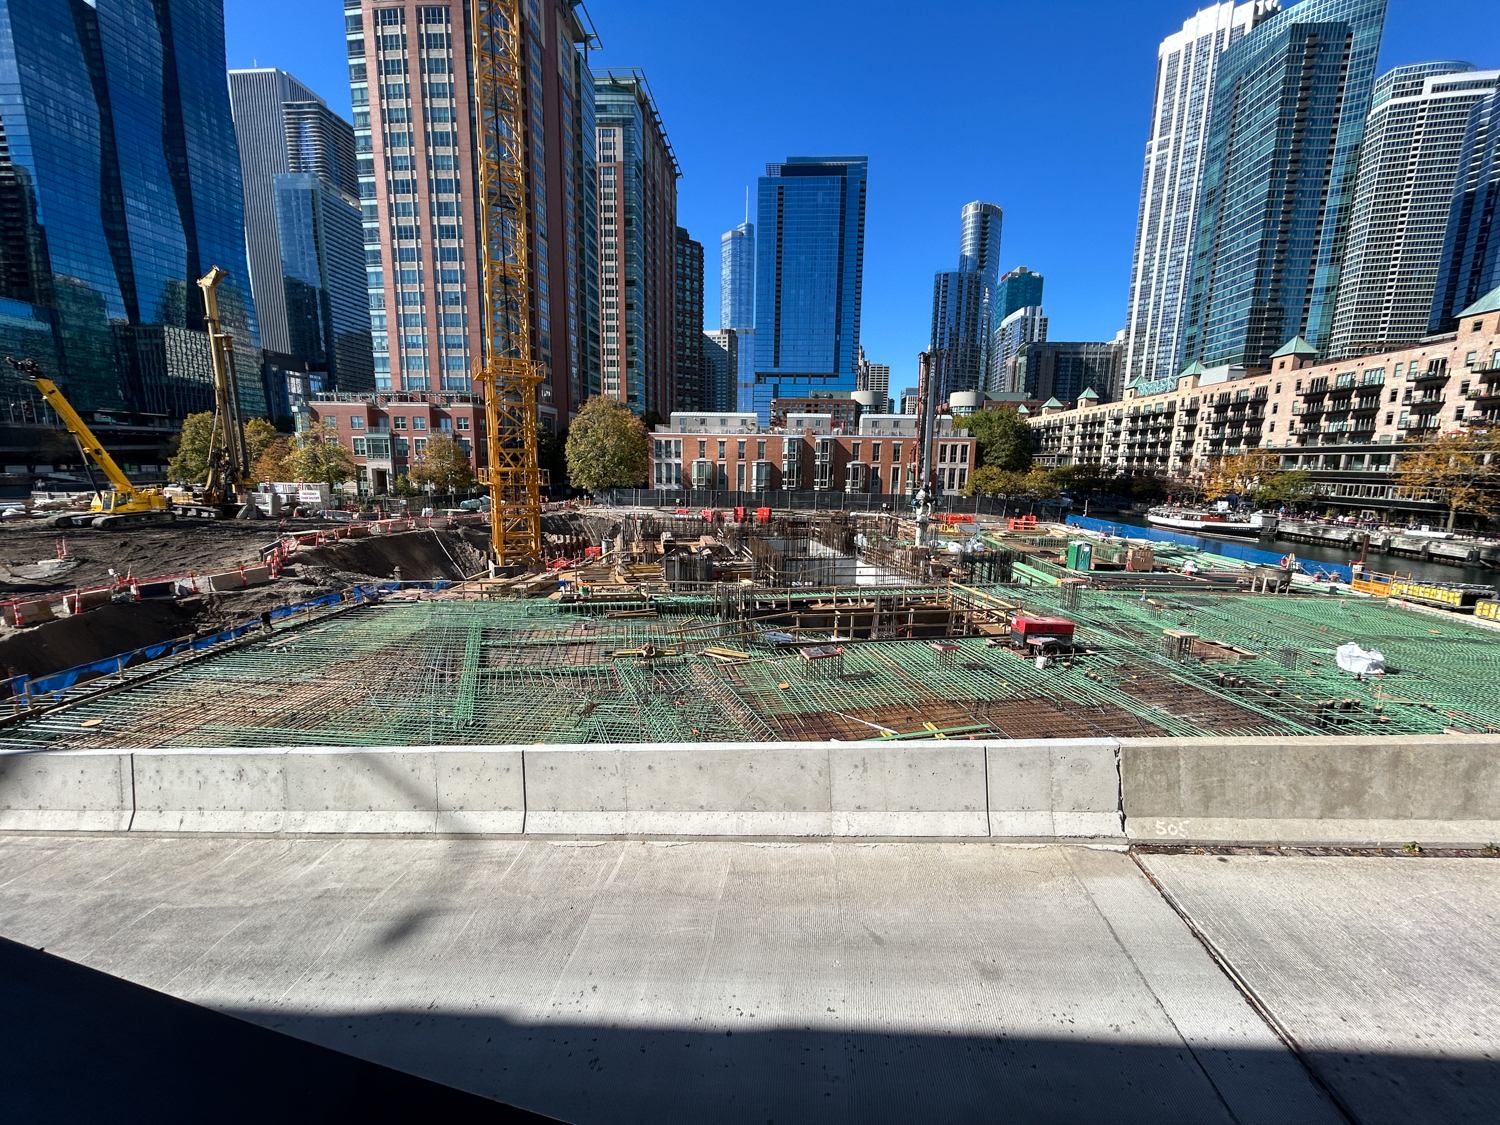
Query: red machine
[[762, 515], [1041, 632], [739, 515]]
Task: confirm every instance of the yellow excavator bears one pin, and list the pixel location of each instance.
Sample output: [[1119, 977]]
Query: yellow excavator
[[125, 503]]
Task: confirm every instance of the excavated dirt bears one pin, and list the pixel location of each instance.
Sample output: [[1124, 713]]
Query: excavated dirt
[[66, 642], [422, 556], [147, 551], [106, 631]]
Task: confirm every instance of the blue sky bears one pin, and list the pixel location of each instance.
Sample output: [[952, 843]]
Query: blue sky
[[1040, 107]]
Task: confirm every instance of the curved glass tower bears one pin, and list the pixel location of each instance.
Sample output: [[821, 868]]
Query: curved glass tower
[[979, 241], [737, 277], [123, 181]]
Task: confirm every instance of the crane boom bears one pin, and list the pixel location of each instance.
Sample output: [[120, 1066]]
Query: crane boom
[[87, 442], [509, 377]]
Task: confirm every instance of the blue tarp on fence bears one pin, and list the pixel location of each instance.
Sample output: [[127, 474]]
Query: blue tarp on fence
[[1337, 571]]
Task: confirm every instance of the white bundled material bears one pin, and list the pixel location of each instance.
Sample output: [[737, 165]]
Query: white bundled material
[[1359, 661]]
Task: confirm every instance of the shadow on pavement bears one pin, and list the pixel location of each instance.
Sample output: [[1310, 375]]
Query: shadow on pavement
[[80, 1045]]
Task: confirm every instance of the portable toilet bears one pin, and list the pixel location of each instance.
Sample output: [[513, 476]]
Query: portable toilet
[[1080, 556]]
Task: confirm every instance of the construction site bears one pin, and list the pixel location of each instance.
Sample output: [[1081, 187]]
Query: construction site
[[677, 629]]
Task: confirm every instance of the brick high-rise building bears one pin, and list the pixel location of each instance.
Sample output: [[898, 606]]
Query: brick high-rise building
[[410, 76]]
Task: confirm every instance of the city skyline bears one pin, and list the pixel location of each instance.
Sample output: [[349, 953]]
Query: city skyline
[[1078, 230]]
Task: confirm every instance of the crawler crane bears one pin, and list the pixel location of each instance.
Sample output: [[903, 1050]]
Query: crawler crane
[[124, 503]]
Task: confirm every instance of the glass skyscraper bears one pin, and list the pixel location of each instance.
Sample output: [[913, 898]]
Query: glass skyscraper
[[1018, 289], [737, 277], [1161, 275], [962, 299], [1395, 243], [960, 315], [979, 240], [688, 323], [1023, 326], [1470, 265], [119, 188], [303, 235], [1289, 113], [809, 264]]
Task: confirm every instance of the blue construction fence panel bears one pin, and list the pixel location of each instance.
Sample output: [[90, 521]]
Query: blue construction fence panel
[[1332, 571]]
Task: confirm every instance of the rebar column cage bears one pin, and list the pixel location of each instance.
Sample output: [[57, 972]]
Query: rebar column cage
[[509, 377]]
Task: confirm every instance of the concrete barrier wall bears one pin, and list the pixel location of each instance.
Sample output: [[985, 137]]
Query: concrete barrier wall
[[67, 791], [1345, 791], [1348, 791], [330, 789]]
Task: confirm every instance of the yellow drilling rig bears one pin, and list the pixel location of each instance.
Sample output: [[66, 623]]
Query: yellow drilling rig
[[509, 376]]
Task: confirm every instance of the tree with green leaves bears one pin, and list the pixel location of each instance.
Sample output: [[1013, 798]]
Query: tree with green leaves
[[1037, 484], [189, 462], [1290, 487], [608, 447], [442, 465], [259, 434], [320, 458], [1003, 438]]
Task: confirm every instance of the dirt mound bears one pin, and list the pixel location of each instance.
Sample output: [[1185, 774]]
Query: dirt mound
[[106, 631], [422, 556]]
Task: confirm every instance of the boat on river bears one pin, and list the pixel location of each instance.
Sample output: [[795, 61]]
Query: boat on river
[[1202, 521]]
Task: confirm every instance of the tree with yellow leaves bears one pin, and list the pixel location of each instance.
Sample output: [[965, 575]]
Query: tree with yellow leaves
[[1461, 470], [1241, 475]]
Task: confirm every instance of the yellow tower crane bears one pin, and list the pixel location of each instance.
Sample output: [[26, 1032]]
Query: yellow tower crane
[[509, 377]]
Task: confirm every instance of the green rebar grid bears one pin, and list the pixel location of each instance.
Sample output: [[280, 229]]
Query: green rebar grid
[[522, 672]]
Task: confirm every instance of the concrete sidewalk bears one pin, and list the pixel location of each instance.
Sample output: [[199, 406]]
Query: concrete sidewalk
[[818, 981]]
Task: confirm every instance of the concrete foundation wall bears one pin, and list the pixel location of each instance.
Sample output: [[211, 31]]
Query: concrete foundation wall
[[1344, 791]]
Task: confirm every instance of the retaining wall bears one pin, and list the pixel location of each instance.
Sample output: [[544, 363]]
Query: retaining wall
[[1335, 791]]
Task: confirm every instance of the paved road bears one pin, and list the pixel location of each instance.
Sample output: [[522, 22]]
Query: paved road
[[789, 982]]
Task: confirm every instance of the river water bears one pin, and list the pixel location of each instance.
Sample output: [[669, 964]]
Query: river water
[[1429, 571]]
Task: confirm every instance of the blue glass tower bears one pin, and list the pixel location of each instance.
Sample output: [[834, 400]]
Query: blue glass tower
[[1018, 289], [1289, 111], [737, 277], [1470, 264], [809, 261], [119, 156]]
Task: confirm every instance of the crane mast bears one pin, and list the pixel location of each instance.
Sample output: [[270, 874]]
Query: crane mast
[[509, 376]]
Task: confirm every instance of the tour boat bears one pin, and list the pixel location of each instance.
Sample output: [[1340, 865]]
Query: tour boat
[[1199, 522]]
